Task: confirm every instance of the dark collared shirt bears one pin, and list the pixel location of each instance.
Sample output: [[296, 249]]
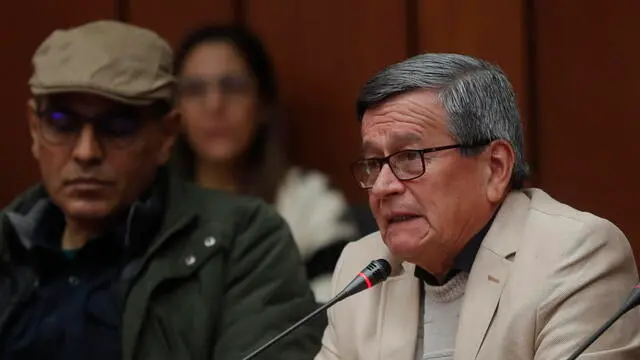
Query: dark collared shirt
[[76, 309], [462, 262]]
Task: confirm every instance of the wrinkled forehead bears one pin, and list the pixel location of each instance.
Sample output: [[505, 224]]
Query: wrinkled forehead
[[383, 137], [409, 119]]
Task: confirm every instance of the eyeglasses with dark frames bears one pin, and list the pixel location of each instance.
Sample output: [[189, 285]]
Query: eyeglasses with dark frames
[[62, 126], [405, 164]]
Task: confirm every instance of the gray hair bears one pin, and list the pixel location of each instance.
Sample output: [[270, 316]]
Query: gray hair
[[477, 96]]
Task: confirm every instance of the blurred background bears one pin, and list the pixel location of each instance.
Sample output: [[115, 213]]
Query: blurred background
[[572, 63]]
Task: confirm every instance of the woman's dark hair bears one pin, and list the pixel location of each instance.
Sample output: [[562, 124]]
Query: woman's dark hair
[[265, 162]]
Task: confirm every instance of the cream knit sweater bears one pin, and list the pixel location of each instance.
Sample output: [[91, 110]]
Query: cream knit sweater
[[441, 311]]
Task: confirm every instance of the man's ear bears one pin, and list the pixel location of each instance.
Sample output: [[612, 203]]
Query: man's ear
[[170, 129], [34, 123], [501, 164]]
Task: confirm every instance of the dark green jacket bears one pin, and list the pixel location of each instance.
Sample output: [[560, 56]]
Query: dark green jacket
[[222, 276]]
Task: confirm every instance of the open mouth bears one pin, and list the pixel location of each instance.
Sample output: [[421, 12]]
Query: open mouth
[[403, 218]]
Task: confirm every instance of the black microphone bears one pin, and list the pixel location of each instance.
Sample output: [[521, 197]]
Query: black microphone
[[632, 302], [376, 272]]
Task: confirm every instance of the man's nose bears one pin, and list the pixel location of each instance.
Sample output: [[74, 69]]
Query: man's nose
[[386, 183], [88, 149]]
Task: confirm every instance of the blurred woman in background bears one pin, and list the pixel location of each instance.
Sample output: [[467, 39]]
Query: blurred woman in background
[[228, 103]]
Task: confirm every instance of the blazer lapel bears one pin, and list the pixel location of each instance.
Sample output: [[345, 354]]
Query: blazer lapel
[[489, 275], [482, 295], [399, 316]]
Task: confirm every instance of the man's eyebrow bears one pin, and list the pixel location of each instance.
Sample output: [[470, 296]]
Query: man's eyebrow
[[367, 146]]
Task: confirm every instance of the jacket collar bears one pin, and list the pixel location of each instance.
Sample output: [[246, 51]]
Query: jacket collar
[[489, 274], [178, 212], [159, 208], [462, 262]]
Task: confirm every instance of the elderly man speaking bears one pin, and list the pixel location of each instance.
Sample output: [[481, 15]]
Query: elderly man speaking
[[490, 270]]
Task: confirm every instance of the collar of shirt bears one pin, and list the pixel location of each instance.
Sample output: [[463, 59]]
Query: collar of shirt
[[463, 261]]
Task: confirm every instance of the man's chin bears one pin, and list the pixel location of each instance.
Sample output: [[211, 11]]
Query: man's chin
[[88, 210], [404, 245]]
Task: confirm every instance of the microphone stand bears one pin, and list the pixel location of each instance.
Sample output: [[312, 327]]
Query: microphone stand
[[376, 272], [292, 327], [597, 334], [632, 302]]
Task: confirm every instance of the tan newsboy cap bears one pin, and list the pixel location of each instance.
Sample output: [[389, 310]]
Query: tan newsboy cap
[[120, 61]]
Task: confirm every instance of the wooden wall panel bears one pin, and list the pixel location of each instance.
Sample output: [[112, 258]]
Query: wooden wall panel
[[494, 30], [588, 80], [573, 68], [172, 19], [324, 51], [22, 29]]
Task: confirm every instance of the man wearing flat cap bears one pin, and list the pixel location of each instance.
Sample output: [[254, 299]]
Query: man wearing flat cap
[[113, 258]]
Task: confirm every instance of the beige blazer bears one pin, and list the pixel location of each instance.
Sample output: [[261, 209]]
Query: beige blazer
[[545, 277]]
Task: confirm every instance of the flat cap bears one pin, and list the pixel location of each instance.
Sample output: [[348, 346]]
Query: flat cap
[[116, 60]]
